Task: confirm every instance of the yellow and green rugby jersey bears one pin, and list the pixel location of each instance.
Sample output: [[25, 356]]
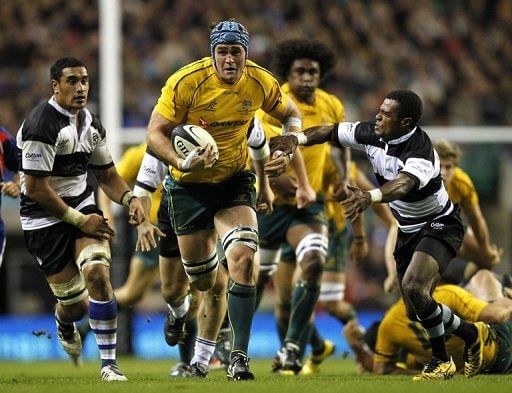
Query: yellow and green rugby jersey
[[327, 109], [461, 189], [128, 167], [397, 331], [194, 95], [334, 210]]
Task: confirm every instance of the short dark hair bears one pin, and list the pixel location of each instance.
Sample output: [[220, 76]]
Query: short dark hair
[[65, 62], [288, 51], [410, 104]]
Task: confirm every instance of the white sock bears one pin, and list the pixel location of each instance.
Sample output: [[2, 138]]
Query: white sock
[[203, 351], [181, 310]]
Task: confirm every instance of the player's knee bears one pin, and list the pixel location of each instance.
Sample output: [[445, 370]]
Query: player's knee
[[312, 266], [414, 289], [203, 283], [241, 237], [311, 253], [268, 263], [72, 295], [202, 271]]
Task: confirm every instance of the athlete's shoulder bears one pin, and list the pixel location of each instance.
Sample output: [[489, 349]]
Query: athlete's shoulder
[[96, 123], [43, 124], [259, 73], [461, 178], [195, 72]]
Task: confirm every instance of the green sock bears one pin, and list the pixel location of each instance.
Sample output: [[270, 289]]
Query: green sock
[[304, 299], [263, 280], [305, 338], [186, 348], [282, 327], [241, 300], [316, 341]]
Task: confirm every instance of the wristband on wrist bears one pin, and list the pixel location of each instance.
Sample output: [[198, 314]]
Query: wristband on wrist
[[127, 198], [376, 195], [302, 139], [292, 122], [73, 217]]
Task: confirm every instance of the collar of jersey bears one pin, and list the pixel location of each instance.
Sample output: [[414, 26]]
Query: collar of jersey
[[403, 138], [53, 102]]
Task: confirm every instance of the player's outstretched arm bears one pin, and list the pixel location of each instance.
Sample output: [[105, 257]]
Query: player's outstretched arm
[[117, 190]]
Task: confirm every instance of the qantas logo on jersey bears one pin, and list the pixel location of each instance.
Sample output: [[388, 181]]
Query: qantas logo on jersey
[[230, 123]]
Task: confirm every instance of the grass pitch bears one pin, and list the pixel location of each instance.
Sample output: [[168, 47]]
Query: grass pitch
[[146, 376]]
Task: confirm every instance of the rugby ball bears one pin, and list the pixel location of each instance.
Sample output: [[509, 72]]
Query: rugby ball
[[186, 137]]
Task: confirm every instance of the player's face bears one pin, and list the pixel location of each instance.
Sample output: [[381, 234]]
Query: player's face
[[447, 167], [388, 125], [229, 62], [72, 88], [303, 78]]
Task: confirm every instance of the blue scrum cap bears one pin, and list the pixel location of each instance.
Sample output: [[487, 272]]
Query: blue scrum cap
[[229, 32]]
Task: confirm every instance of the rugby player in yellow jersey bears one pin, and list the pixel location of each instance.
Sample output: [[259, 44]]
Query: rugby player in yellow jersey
[[477, 246], [378, 350], [301, 63], [209, 198]]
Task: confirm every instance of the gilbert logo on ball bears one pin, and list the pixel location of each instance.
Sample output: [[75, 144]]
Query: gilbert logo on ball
[[186, 137]]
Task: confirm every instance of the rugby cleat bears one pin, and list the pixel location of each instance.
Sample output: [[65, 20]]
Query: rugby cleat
[[312, 365], [289, 355], [174, 329], [474, 353], [436, 369], [180, 370], [72, 345], [238, 369], [112, 373], [199, 370]]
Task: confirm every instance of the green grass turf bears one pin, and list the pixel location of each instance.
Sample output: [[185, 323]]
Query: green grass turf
[[146, 376]]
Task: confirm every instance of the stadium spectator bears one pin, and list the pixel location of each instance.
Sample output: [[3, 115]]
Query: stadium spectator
[[466, 80], [217, 198], [64, 230], [430, 229]]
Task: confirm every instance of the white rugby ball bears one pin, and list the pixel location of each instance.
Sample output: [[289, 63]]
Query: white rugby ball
[[186, 137]]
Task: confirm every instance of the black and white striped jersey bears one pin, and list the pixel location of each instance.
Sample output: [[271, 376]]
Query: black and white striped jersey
[[413, 154], [153, 170], [48, 143]]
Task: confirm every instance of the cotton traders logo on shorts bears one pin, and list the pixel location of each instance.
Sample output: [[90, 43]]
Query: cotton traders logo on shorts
[[437, 226], [33, 156]]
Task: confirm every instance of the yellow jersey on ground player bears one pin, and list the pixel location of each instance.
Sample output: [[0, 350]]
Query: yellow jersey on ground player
[[194, 95], [327, 109], [397, 331]]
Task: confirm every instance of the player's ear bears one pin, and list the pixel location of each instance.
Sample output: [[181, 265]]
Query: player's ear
[[55, 86], [407, 122]]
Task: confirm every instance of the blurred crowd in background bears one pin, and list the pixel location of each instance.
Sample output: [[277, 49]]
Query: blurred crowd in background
[[457, 55]]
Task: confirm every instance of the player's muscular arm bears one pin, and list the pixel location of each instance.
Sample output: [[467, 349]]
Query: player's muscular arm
[[359, 200], [113, 185], [157, 138], [40, 190]]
